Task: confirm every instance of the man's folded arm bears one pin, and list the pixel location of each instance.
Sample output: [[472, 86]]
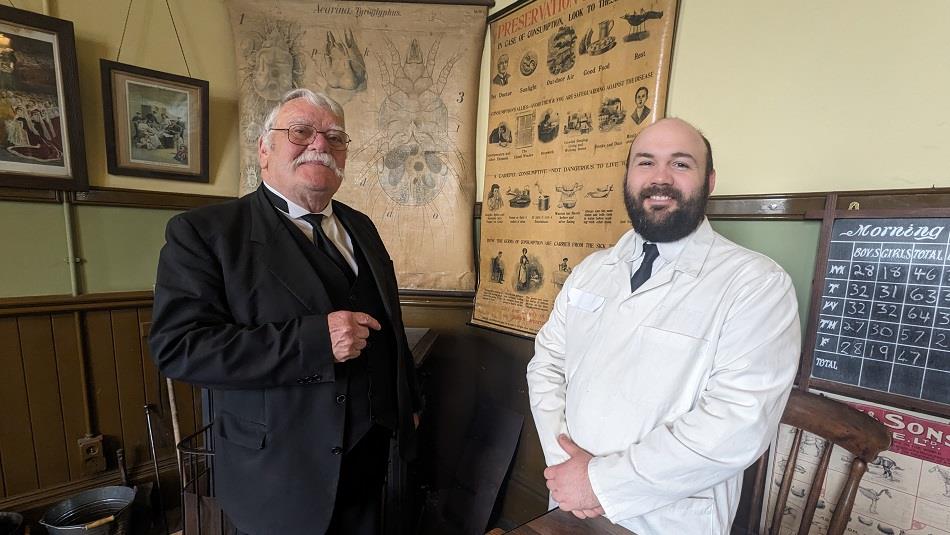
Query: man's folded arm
[[194, 337], [547, 381], [730, 425]]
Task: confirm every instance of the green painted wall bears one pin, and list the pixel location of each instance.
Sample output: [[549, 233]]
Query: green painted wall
[[793, 244], [119, 246], [33, 242]]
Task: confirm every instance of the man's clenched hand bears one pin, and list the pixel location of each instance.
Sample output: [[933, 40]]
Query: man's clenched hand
[[348, 333], [569, 484]]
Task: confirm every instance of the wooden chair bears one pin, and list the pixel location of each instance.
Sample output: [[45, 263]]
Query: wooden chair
[[838, 424]]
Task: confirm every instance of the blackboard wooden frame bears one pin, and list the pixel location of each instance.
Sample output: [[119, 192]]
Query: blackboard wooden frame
[[805, 380]]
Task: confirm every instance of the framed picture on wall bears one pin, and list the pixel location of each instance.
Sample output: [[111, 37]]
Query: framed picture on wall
[[156, 123], [41, 135]]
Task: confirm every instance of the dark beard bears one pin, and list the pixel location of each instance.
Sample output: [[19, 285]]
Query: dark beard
[[671, 226]]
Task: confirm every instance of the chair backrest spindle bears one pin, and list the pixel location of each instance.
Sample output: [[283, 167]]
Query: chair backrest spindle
[[837, 425]]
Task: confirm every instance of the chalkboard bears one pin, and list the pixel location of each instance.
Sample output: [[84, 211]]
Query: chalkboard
[[882, 322]]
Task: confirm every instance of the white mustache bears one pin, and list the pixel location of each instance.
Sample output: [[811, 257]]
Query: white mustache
[[317, 157]]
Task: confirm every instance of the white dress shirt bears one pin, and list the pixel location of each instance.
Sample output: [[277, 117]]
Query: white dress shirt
[[675, 388], [331, 226], [669, 251]]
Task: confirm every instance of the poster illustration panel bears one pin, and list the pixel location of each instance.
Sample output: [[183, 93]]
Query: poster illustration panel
[[573, 82], [906, 488], [407, 78]]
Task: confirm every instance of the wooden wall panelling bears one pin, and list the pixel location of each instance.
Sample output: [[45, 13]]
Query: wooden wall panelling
[[16, 306], [42, 394], [130, 385], [144, 199], [100, 357], [42, 388], [894, 199], [444, 424], [155, 390], [154, 385], [764, 207], [468, 367], [31, 195], [16, 434], [71, 395], [187, 397]]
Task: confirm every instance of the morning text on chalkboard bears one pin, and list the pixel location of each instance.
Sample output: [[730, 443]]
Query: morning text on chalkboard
[[884, 313]]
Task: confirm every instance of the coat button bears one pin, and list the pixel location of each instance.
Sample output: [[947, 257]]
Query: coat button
[[337, 450], [340, 399]]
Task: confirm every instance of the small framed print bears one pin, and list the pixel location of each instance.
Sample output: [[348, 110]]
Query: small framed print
[[156, 123], [41, 135]]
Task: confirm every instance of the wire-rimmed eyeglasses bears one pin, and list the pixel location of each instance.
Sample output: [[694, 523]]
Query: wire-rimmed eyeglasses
[[304, 134]]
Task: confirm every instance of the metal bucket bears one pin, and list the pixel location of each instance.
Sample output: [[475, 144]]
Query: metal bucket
[[101, 511], [11, 523]]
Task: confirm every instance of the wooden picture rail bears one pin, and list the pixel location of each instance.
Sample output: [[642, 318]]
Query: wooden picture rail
[[778, 206]]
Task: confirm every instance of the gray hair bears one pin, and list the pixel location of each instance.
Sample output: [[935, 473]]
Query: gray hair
[[318, 99]]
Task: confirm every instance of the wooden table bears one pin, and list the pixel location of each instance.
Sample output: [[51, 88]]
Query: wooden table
[[558, 522]]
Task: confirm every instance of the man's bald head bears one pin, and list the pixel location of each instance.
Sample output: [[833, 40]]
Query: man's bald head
[[709, 168], [669, 177]]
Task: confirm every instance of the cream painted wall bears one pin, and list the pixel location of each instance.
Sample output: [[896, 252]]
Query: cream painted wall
[[795, 96], [811, 95], [150, 42]]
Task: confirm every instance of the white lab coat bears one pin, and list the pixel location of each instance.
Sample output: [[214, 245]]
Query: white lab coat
[[675, 388]]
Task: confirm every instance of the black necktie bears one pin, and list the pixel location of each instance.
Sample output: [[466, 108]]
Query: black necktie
[[643, 273], [323, 243]]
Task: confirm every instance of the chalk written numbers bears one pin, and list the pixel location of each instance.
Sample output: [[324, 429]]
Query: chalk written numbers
[[884, 315]]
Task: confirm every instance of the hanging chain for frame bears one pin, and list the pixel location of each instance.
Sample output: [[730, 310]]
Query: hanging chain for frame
[[174, 27], [180, 47], [124, 27], [12, 4]]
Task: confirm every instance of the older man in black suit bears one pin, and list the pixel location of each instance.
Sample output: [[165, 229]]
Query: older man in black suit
[[285, 304]]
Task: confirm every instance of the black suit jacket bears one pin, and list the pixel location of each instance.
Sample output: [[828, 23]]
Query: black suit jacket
[[239, 309]]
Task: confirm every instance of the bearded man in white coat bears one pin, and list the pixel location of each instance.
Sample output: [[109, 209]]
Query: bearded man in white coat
[[665, 366]]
